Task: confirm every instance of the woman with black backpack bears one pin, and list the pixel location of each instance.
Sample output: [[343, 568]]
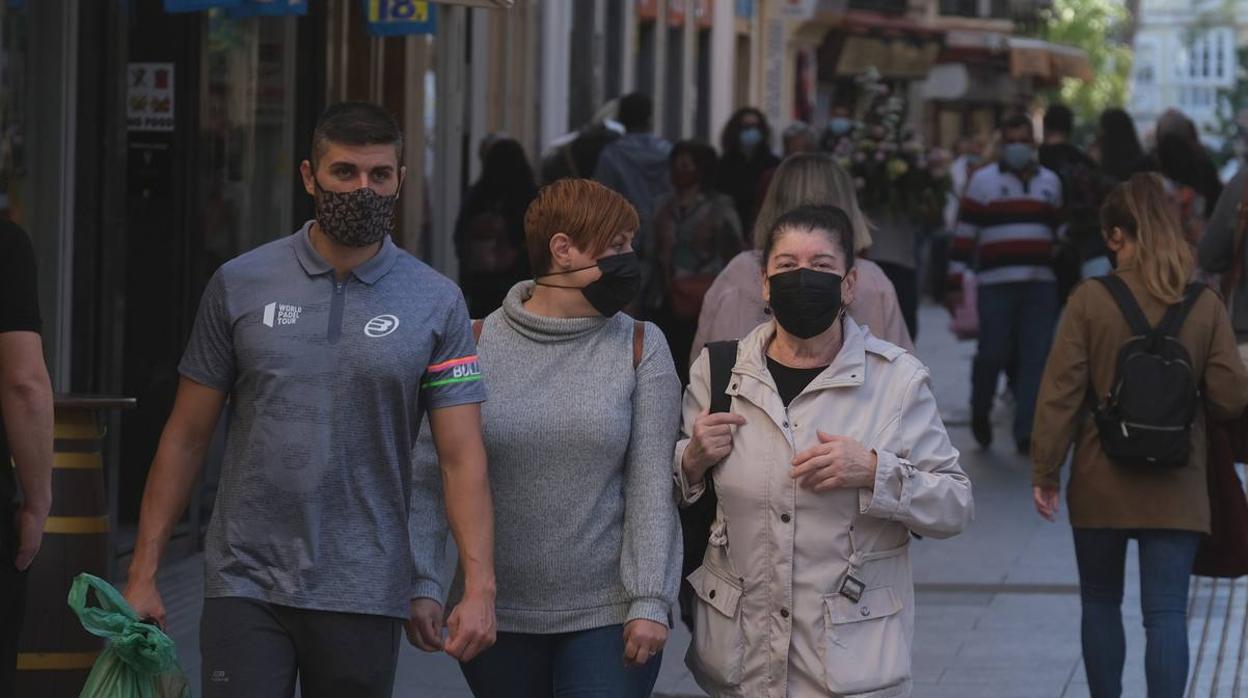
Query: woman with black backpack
[[1139, 359]]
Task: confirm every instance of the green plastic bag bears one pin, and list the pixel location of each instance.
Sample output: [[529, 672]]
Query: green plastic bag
[[140, 660]]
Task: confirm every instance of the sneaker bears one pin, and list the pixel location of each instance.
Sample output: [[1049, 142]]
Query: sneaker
[[981, 427]]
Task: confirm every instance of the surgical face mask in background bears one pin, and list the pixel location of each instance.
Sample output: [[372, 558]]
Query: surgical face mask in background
[[751, 137], [840, 126], [1018, 156]]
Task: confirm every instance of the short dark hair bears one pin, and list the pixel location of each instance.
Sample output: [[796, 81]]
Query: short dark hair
[[1015, 121], [1058, 118], [704, 160], [829, 220], [635, 112], [356, 123]]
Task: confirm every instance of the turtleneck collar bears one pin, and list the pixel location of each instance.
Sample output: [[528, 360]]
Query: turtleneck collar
[[540, 328]]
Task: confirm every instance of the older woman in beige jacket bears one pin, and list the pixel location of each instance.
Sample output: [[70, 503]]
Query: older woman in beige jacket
[[733, 305], [832, 454]]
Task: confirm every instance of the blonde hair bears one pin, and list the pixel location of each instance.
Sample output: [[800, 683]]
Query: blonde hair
[[811, 179], [1141, 208]]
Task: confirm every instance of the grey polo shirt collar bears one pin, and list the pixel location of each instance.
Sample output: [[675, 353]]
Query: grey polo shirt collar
[[369, 272]]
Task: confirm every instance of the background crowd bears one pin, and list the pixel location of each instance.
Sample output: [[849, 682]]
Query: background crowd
[[699, 204]]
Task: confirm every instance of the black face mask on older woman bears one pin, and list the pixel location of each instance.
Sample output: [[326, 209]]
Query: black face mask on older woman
[[805, 302]]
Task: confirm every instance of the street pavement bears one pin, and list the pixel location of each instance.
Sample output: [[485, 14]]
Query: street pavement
[[998, 606]]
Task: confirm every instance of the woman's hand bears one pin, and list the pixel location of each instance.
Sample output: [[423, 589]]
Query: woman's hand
[[424, 625], [838, 462], [711, 443], [1048, 501], [643, 639]]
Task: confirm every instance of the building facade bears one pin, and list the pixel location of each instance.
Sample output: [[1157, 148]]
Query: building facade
[[1185, 53], [143, 147]]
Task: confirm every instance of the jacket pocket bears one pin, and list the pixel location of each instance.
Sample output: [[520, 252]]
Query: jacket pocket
[[865, 646], [718, 648]]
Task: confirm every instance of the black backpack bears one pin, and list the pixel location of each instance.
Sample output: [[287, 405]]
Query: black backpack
[[696, 519], [1146, 419]]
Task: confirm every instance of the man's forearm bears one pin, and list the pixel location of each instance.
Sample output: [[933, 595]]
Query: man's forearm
[[165, 497], [27, 409], [471, 515]]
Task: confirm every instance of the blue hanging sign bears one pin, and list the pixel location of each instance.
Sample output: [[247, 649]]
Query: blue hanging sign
[[269, 8], [198, 5], [399, 17]]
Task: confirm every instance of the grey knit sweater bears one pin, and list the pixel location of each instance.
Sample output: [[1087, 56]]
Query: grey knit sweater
[[579, 444]]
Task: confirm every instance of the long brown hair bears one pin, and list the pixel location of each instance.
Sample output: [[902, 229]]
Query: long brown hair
[[1141, 208]]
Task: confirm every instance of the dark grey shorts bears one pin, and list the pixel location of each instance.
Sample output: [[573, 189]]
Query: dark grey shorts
[[252, 648]]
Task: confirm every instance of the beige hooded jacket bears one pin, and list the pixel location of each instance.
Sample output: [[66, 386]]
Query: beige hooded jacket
[[769, 621]]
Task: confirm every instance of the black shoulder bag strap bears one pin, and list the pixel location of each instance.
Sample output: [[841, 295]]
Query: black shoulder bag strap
[[1176, 314], [1134, 316], [723, 356], [696, 519], [1127, 304]]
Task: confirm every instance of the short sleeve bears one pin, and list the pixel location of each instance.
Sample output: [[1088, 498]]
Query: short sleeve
[[19, 293], [453, 376], [209, 356]]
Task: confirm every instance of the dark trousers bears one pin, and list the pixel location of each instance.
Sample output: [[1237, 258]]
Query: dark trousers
[[12, 600], [906, 283], [1016, 323], [585, 664], [1165, 567], [252, 648]]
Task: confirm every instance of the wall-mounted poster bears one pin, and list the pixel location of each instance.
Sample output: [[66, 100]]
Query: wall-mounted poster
[[149, 97]]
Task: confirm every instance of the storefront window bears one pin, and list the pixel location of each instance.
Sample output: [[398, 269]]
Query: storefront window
[[247, 155]]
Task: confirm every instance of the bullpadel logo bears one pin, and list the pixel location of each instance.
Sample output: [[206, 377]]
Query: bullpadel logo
[[381, 326]]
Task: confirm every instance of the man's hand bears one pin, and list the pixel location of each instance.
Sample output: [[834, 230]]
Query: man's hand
[[30, 520], [643, 639], [1048, 501], [144, 598], [472, 628], [838, 462], [424, 628]]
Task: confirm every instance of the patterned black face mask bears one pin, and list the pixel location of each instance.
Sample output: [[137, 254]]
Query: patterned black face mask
[[356, 218]]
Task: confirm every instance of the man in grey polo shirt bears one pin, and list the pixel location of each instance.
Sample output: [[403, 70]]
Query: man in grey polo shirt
[[330, 346]]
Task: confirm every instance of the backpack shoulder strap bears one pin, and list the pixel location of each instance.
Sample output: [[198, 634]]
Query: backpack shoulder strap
[[723, 356], [477, 326], [639, 342], [1176, 314], [1127, 304]]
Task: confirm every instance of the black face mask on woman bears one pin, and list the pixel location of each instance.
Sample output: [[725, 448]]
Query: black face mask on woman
[[805, 302], [615, 289]]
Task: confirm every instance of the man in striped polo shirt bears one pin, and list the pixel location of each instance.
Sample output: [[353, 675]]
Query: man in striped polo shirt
[[1008, 225]]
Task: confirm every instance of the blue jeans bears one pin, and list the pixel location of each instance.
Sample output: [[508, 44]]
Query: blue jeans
[[1016, 322], [585, 664], [1166, 559]]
